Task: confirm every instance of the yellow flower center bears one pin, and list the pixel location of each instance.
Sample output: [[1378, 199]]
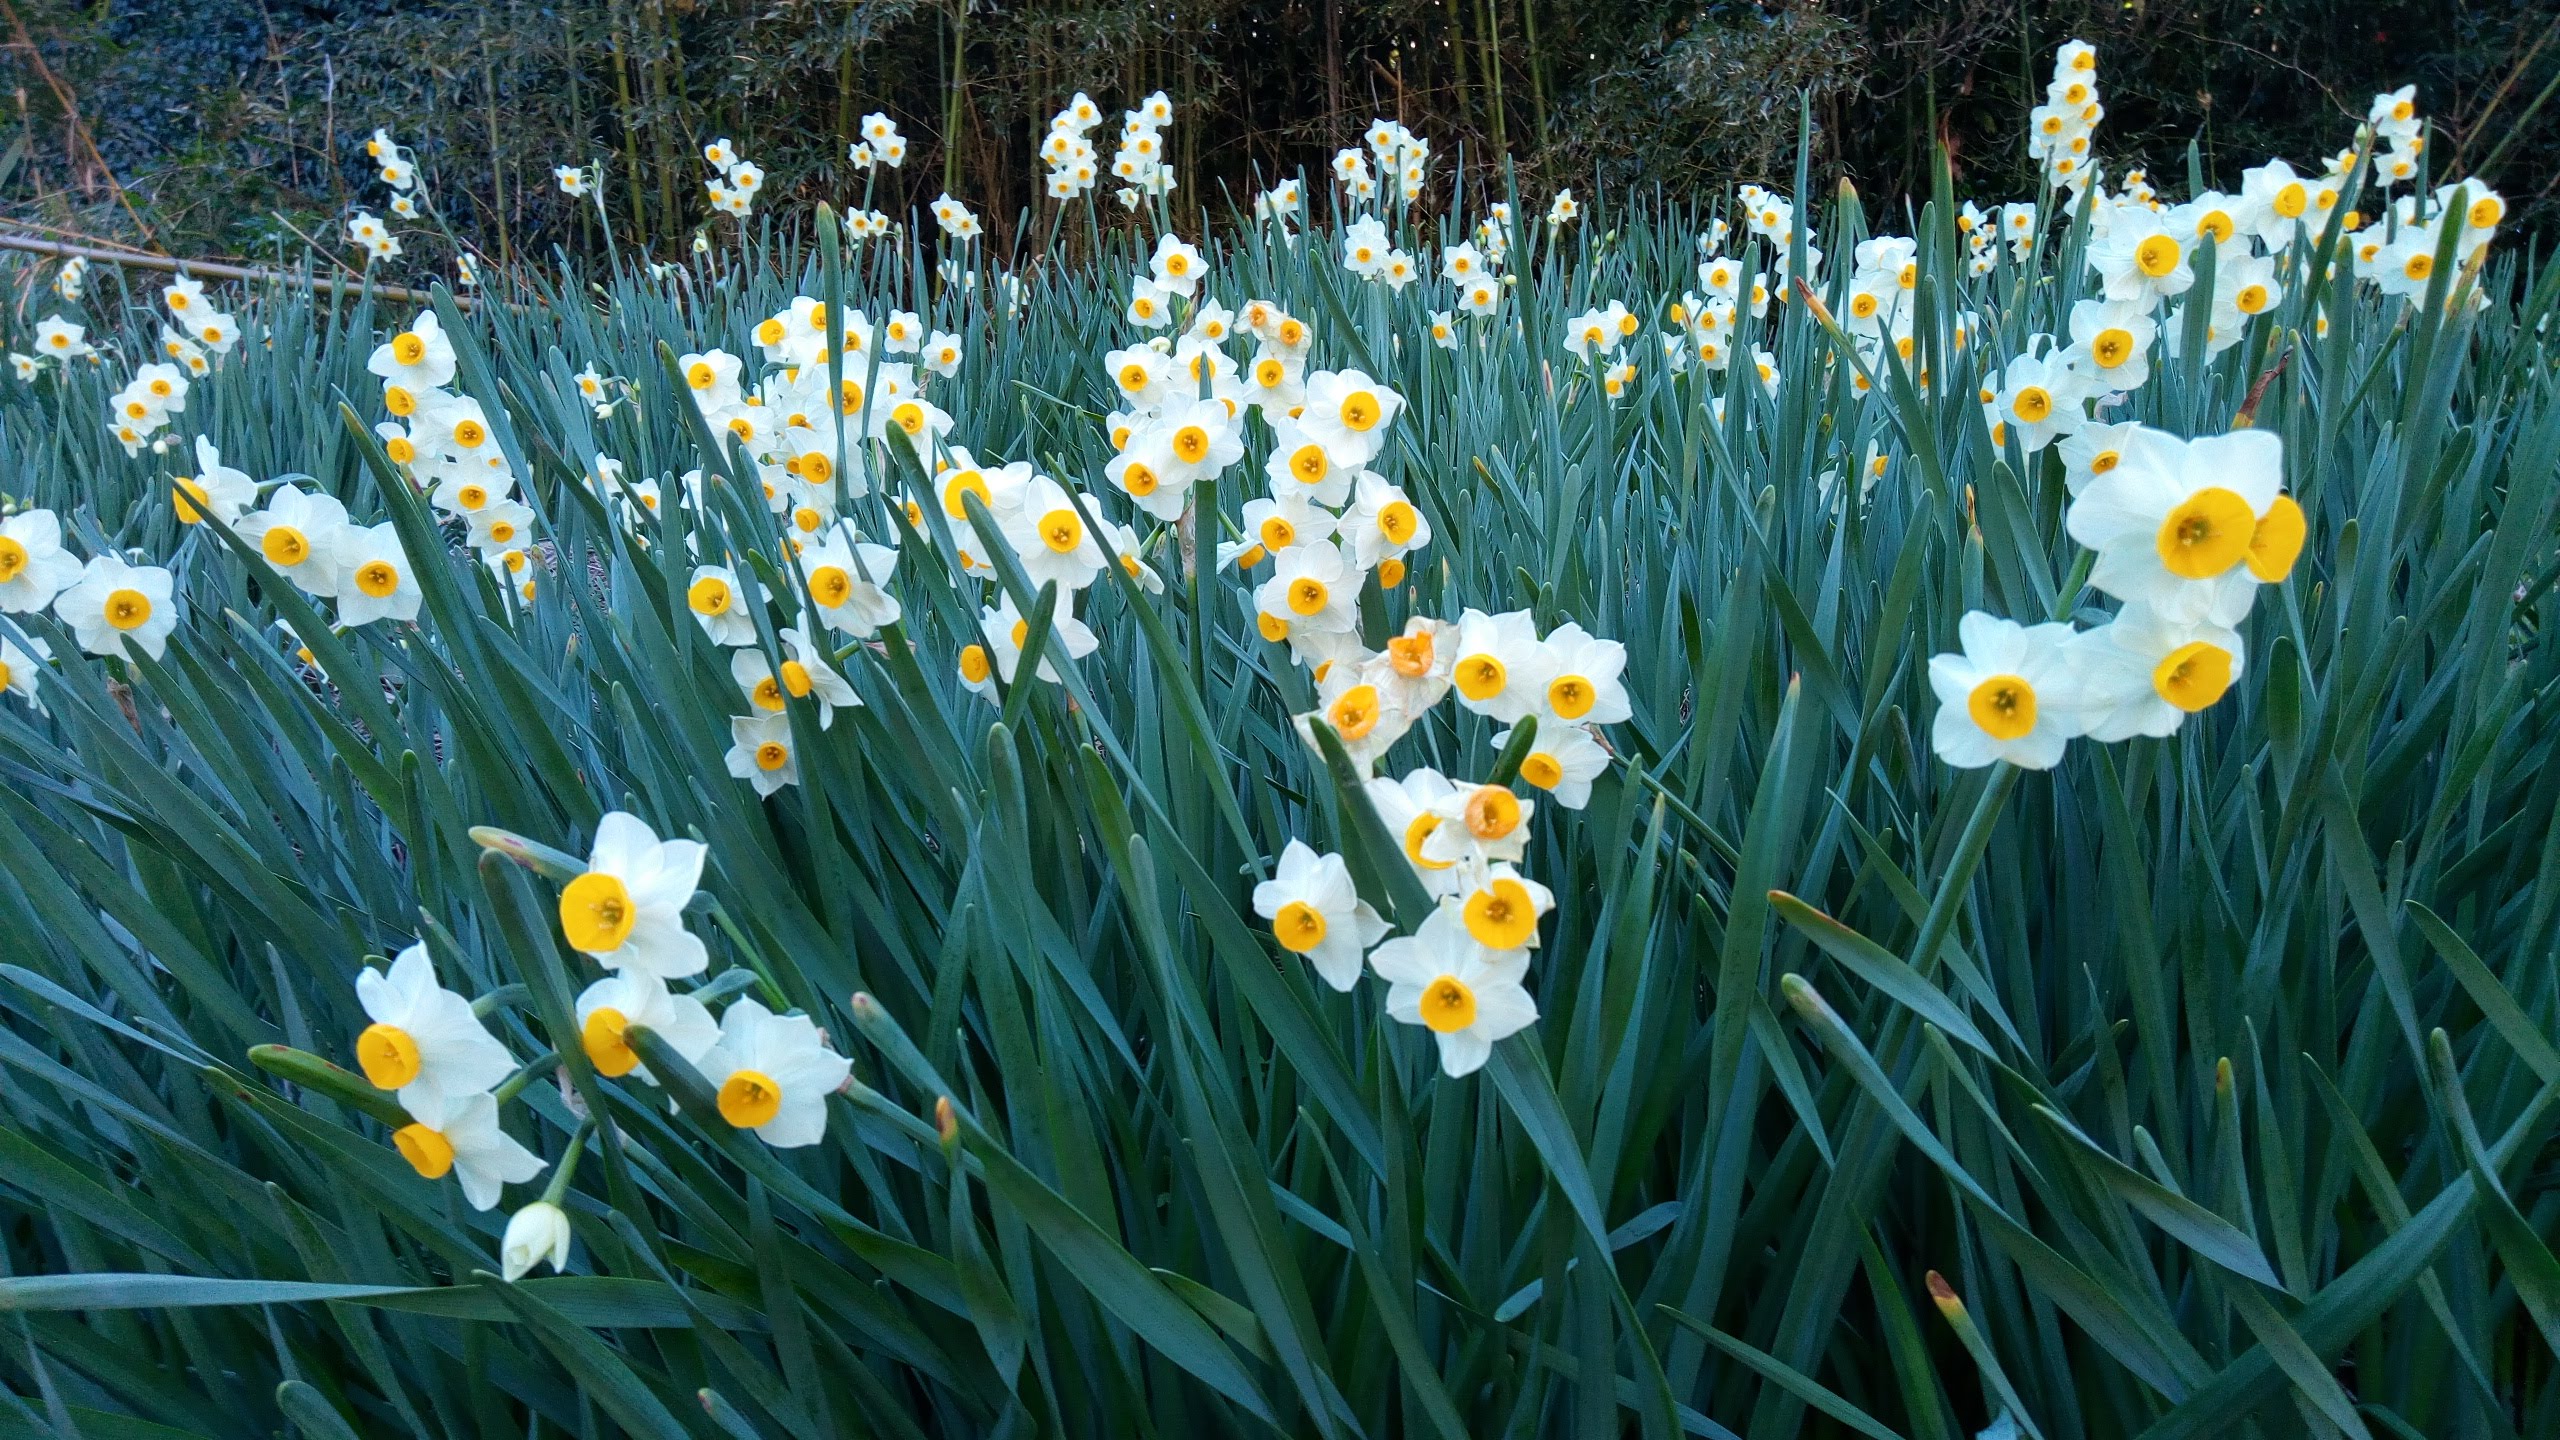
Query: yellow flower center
[[13, 559], [2193, 676], [1481, 677], [768, 694], [1271, 627], [1492, 812], [1310, 464], [1277, 533], [1269, 373], [1299, 927], [959, 487], [128, 609], [400, 450], [1138, 480], [701, 376], [1360, 411], [607, 1041], [772, 755], [2276, 541], [378, 578], [2104, 461], [186, 495], [1415, 834], [2112, 346], [2032, 404], [2206, 534], [1571, 696], [1191, 443], [708, 596], [1542, 770], [2292, 200], [2252, 299], [1448, 1005], [1390, 573], [1061, 531], [770, 332], [1398, 521], [908, 417], [1354, 712], [2419, 266], [2216, 224], [408, 347], [749, 1098], [2157, 255], [816, 468], [596, 913], [795, 678], [470, 434], [427, 1151], [1502, 916], [398, 400], [1307, 595], [388, 1056], [2004, 706], [1410, 655], [2485, 212], [830, 586], [973, 665]]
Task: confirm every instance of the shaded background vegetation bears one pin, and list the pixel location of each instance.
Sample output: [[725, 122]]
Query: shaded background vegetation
[[234, 126]]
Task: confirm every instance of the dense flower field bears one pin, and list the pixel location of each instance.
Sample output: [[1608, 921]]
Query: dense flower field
[[1774, 816]]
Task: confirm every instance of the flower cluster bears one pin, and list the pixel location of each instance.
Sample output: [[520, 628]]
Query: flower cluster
[[734, 180], [1398, 155], [398, 168], [112, 606], [881, 144], [1074, 165], [2059, 130], [1140, 165]]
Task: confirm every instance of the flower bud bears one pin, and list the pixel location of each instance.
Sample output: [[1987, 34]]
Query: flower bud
[[536, 1233]]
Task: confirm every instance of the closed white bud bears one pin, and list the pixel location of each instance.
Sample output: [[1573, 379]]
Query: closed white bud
[[537, 1233]]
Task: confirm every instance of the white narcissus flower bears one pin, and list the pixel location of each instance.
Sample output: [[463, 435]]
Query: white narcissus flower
[[2189, 528], [1359, 713], [2036, 398], [627, 910], [610, 1009], [1201, 437], [2008, 695], [1316, 912], [1501, 907], [424, 1041], [1441, 978], [20, 669], [1384, 523], [1007, 630], [301, 533], [460, 1136], [2111, 344], [1563, 760], [538, 1234], [716, 603], [761, 752], [1408, 807], [215, 489], [374, 578], [1412, 673], [2140, 674], [2140, 260], [1051, 540], [1479, 824], [1348, 414], [845, 577], [33, 565], [419, 358], [1304, 466], [1311, 588], [1584, 686], [1501, 670], [773, 1074], [116, 608]]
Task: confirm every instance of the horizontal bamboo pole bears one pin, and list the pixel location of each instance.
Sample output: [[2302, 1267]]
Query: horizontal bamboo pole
[[214, 269]]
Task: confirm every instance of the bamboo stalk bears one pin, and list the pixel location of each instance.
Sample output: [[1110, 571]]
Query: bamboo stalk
[[215, 268]]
